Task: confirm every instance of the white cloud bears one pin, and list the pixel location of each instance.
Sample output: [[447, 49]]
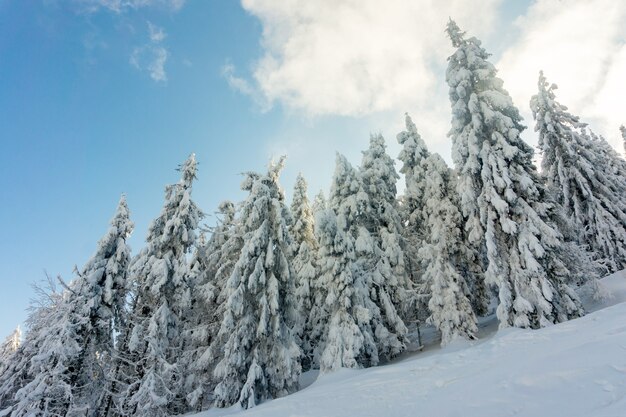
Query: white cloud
[[347, 57], [236, 83], [157, 34], [156, 68], [362, 59], [152, 56], [119, 6], [580, 45]]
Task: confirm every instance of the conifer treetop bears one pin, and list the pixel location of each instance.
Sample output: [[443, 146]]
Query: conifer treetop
[[456, 35], [302, 226], [12, 342], [188, 169], [412, 144]]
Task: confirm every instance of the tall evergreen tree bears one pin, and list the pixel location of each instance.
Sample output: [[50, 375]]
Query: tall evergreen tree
[[162, 301], [441, 254], [319, 203], [197, 325], [305, 268], [379, 221], [502, 198], [349, 201], [579, 175], [18, 393], [210, 268], [261, 358], [71, 368], [412, 155], [614, 165], [103, 283], [9, 347], [348, 337]]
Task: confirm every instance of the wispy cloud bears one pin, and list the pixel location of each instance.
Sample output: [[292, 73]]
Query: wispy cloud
[[157, 34], [352, 58], [151, 59], [237, 83], [152, 56], [119, 6], [580, 45]]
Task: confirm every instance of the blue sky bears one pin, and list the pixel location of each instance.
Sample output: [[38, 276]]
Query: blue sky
[[100, 97]]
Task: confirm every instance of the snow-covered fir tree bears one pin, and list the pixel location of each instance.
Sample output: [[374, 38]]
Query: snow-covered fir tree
[[349, 201], [103, 284], [304, 266], [382, 259], [162, 300], [23, 365], [347, 331], [502, 198], [441, 254], [225, 249], [261, 358], [11, 362], [319, 203], [615, 165], [9, 347], [71, 367], [196, 327], [54, 362], [412, 155], [210, 268], [579, 176]]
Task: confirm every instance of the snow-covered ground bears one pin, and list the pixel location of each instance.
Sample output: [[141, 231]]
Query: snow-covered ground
[[572, 369]]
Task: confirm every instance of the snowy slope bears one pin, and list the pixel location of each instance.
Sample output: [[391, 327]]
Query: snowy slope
[[572, 369]]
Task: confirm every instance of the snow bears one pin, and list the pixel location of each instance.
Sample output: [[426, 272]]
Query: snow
[[576, 368]]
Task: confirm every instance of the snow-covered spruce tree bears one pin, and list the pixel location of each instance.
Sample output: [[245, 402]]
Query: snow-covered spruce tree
[[413, 156], [502, 198], [55, 361], [349, 201], [20, 371], [440, 253], [304, 266], [195, 331], [71, 368], [384, 262], [579, 177], [319, 203], [162, 301], [9, 347], [615, 165], [10, 358], [103, 285], [261, 358], [622, 130], [210, 268], [347, 333]]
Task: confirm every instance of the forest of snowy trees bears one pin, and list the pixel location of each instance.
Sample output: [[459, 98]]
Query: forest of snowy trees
[[233, 315]]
